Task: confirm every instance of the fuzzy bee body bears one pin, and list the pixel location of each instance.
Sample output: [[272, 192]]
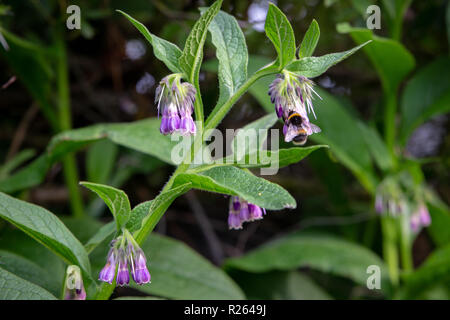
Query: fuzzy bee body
[[296, 124], [296, 120]]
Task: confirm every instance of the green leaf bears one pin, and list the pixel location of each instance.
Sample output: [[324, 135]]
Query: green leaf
[[100, 160], [391, 59], [425, 95], [16, 161], [15, 288], [279, 158], [345, 138], [377, 147], [179, 272], [192, 56], [145, 216], [315, 66], [249, 138], [279, 31], [279, 285], [309, 41], [116, 200], [433, 272], [143, 136], [231, 51], [164, 50], [439, 230], [324, 253], [30, 271], [103, 233], [253, 189], [29, 176], [259, 89], [30, 63], [45, 228], [22, 245]]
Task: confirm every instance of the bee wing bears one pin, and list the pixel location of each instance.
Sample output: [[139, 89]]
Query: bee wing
[[314, 128]]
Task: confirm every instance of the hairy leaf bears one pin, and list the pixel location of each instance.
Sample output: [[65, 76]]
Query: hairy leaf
[[250, 187], [309, 41], [231, 51], [192, 56], [164, 50], [179, 272], [279, 31], [390, 58], [323, 253], [15, 288], [315, 66], [425, 95], [116, 200], [46, 228]]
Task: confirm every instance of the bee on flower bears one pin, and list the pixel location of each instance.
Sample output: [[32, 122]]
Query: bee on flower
[[292, 96], [126, 253], [175, 102]]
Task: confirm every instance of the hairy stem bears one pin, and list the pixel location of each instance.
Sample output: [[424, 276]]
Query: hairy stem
[[64, 117], [390, 252], [405, 245]]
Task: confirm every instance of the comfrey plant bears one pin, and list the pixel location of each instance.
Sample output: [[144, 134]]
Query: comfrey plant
[[179, 102]]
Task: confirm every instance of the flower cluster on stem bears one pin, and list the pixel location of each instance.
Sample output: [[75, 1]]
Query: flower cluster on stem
[[175, 101], [242, 211], [125, 255], [292, 96]]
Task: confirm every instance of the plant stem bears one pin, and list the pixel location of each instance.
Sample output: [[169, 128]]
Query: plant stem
[[217, 115], [64, 116], [389, 122], [405, 245], [390, 251]]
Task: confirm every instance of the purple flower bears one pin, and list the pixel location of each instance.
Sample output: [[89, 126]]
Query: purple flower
[[256, 213], [379, 207], [420, 218], [242, 211], [128, 254], [424, 215], [234, 221], [234, 217], [139, 269], [292, 96], [123, 277], [415, 222], [177, 102], [109, 270]]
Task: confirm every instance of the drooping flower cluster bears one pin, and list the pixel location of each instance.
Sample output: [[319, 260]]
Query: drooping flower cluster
[[397, 196], [175, 101], [74, 288], [420, 218], [392, 205], [125, 252], [292, 96], [241, 211]]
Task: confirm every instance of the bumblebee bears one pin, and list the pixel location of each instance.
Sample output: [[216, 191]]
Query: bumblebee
[[296, 127]]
